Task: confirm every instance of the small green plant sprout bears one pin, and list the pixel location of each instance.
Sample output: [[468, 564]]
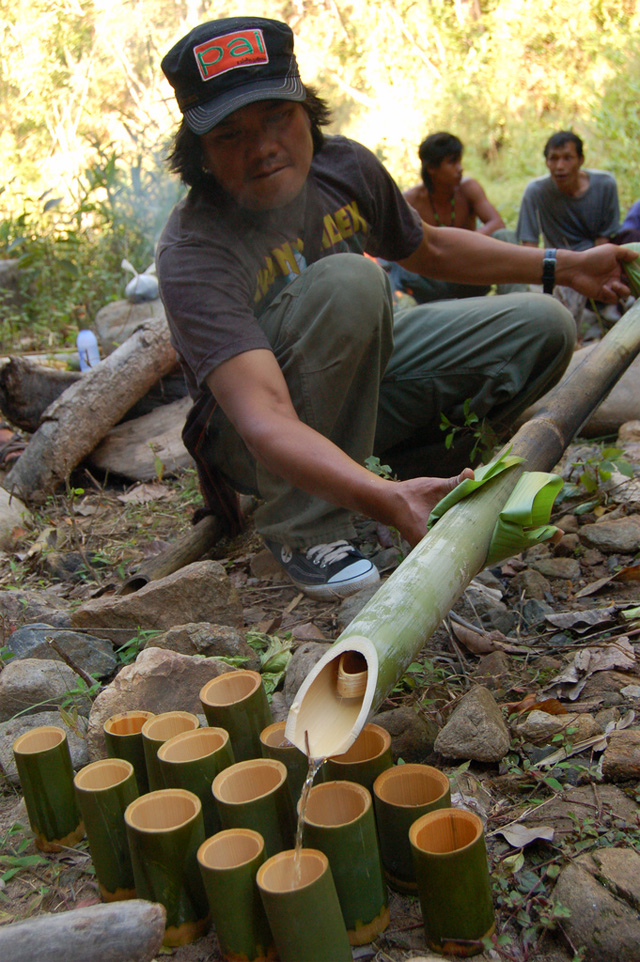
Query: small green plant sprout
[[485, 437], [275, 655], [382, 470], [594, 471]]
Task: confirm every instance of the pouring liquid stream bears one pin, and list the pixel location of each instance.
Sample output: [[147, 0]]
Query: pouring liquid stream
[[314, 767]]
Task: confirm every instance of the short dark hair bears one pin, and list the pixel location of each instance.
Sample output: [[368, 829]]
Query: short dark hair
[[187, 160], [561, 138], [434, 149]]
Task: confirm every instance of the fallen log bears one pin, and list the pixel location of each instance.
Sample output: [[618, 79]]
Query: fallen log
[[27, 390], [111, 932], [75, 423], [390, 630]]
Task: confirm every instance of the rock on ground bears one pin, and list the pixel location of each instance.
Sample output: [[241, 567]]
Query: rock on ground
[[198, 592], [602, 922], [476, 729], [209, 640], [31, 685], [159, 680], [11, 730], [412, 735]]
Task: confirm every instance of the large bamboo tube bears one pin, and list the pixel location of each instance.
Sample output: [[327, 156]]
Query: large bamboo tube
[[254, 794], [165, 830], [104, 789], [123, 739], [389, 631], [275, 745], [155, 732], [369, 755], [46, 777]]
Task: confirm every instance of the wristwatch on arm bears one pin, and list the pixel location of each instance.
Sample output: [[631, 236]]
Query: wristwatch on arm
[[549, 270]]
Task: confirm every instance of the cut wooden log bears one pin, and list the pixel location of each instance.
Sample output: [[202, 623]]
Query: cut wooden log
[[130, 449], [27, 389], [130, 931], [74, 424]]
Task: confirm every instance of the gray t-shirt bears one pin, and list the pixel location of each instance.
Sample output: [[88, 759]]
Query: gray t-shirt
[[573, 222], [220, 266]]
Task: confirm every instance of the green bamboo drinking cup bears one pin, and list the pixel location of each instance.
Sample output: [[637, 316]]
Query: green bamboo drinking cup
[[339, 821], [401, 795], [254, 794], [450, 863], [155, 732], [276, 745], [229, 862], [192, 760], [165, 830], [103, 790], [123, 738], [46, 777], [237, 702], [301, 903], [369, 755]]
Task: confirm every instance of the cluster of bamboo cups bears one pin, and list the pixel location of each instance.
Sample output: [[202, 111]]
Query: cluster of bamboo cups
[[203, 820]]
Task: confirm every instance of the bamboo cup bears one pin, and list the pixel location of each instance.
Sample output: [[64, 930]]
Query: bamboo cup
[[401, 795], [276, 745], [158, 730], [450, 863], [254, 794], [369, 755], [228, 864], [46, 776], [104, 789], [192, 760], [165, 830], [339, 821], [123, 738], [238, 702], [302, 907]]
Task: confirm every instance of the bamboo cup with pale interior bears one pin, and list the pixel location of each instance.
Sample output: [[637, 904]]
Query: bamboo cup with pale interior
[[123, 738], [276, 745], [192, 760], [450, 863], [254, 794], [228, 863], [401, 795], [369, 755], [237, 702], [158, 730], [104, 789], [302, 907], [46, 777], [339, 821], [165, 830]]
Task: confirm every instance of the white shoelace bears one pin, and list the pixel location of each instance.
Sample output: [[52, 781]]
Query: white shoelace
[[325, 554]]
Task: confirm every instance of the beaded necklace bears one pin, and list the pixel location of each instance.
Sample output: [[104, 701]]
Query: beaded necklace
[[435, 212]]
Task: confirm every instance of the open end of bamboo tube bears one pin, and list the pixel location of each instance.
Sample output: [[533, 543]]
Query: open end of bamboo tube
[[336, 803], [280, 874], [160, 728], [190, 745], [127, 723], [372, 741], [246, 781], [163, 810], [103, 774], [411, 785], [322, 722], [230, 848], [232, 687], [39, 740], [447, 830], [274, 737]]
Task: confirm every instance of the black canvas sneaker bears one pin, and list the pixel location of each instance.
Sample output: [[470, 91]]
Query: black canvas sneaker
[[326, 571]]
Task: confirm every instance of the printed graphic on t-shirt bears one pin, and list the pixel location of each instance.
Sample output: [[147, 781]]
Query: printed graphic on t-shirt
[[344, 230]]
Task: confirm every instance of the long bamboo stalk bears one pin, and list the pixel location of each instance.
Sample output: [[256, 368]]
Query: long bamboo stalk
[[405, 611]]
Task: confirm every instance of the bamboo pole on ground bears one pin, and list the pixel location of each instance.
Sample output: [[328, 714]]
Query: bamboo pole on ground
[[389, 631]]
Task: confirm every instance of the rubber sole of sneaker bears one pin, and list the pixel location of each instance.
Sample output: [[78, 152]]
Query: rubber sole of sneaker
[[331, 592]]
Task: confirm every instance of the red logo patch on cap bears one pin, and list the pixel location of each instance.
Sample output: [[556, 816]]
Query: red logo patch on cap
[[241, 49]]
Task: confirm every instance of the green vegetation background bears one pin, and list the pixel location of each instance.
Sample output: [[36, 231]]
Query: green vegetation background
[[86, 116]]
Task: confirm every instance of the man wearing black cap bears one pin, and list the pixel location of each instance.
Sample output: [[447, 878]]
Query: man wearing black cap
[[297, 367]]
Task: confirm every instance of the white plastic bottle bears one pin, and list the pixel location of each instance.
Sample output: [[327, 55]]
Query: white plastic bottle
[[88, 350]]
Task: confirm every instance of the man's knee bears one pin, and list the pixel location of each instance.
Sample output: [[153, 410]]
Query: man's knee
[[557, 326]]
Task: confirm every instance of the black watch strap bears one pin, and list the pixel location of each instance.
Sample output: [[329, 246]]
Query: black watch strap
[[549, 270]]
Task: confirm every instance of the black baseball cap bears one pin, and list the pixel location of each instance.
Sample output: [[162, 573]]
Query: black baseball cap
[[223, 65]]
